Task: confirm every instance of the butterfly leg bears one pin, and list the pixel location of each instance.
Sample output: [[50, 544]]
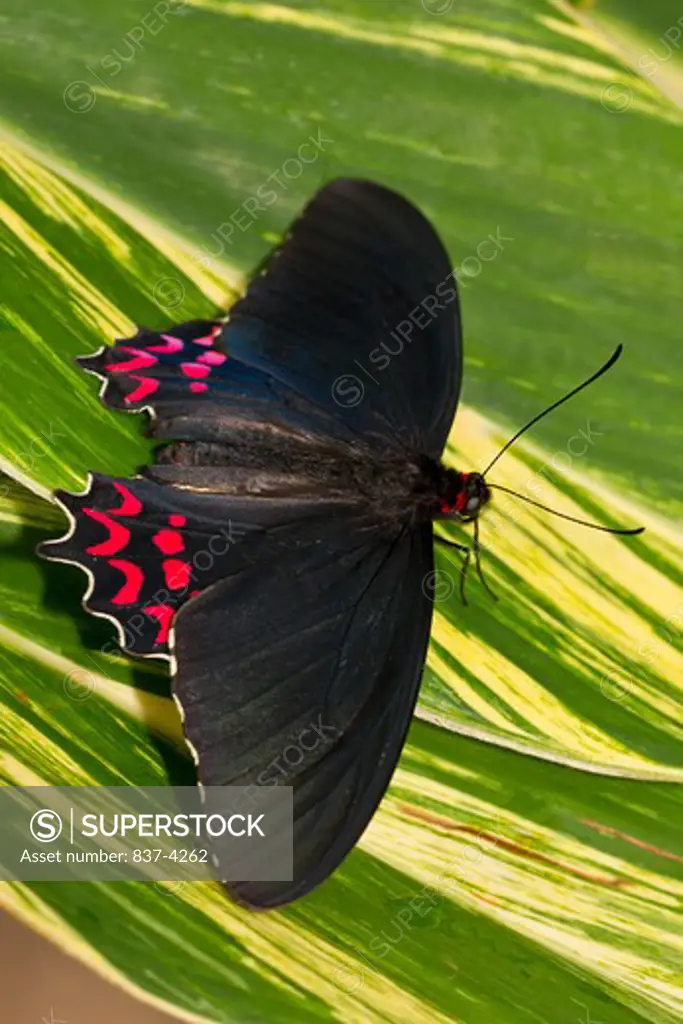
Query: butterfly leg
[[467, 553], [477, 560]]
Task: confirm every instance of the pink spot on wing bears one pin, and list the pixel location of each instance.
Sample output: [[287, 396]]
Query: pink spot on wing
[[177, 573], [169, 542], [195, 369], [209, 338], [131, 506], [193, 593], [197, 388], [172, 345], [147, 387], [130, 591], [212, 358], [175, 520], [141, 360], [119, 535], [163, 613]]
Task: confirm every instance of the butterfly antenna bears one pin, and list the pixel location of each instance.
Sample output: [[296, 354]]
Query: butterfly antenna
[[477, 561], [572, 519], [603, 369]]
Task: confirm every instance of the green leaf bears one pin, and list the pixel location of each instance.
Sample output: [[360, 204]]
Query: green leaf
[[527, 863]]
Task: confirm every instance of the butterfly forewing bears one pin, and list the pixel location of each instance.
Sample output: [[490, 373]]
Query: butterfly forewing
[[357, 310]]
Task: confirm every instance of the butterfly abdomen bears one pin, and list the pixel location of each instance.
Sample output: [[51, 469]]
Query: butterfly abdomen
[[263, 464]]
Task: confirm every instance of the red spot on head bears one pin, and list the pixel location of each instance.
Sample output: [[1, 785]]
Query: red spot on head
[[177, 520], [461, 497], [169, 542]]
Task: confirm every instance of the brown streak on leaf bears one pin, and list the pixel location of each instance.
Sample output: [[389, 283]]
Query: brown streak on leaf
[[606, 830], [511, 847]]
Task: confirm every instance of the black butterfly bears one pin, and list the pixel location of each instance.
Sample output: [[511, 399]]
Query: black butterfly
[[279, 550]]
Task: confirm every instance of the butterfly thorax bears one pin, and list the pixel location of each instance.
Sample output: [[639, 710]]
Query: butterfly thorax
[[451, 494]]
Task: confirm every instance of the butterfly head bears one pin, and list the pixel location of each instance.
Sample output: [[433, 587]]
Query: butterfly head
[[465, 497]]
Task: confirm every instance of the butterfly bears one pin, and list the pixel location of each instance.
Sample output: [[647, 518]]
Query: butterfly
[[279, 550]]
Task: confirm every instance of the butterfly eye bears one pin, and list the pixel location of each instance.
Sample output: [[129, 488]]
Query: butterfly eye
[[473, 503]]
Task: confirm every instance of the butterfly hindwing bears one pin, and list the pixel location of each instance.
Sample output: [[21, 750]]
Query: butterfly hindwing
[[304, 672], [146, 549]]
